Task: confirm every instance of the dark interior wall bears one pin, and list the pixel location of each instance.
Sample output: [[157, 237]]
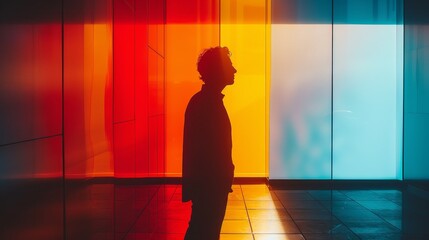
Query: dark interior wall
[[416, 90], [78, 69], [31, 163], [30, 89], [113, 88]]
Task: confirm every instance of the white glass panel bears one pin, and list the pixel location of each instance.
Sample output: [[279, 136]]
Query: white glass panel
[[300, 104]]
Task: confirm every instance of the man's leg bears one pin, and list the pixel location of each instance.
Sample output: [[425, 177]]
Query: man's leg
[[196, 221], [207, 217], [218, 205]]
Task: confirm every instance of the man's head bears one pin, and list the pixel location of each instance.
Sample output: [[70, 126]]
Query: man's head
[[215, 66]]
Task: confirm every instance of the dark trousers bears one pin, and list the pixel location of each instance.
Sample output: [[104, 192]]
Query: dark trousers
[[208, 211]]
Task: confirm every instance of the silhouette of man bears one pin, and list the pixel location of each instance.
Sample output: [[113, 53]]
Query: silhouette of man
[[208, 170]]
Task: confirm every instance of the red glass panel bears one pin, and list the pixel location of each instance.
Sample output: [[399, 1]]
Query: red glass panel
[[193, 12], [123, 61], [156, 26], [74, 130], [141, 91], [124, 149]]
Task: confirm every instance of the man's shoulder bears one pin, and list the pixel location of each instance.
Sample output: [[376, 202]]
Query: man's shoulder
[[196, 99]]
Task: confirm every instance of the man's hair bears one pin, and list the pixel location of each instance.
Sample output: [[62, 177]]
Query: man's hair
[[210, 62]]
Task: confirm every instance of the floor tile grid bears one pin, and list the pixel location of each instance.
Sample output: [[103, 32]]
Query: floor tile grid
[[233, 227], [128, 232], [352, 199], [270, 235], [383, 199], [287, 211], [247, 211], [317, 235], [284, 208]]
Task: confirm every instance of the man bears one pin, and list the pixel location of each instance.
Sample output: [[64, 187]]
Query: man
[[208, 170]]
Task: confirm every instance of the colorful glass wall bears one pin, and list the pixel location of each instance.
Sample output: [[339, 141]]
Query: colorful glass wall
[[239, 25], [336, 90], [121, 73], [98, 88], [114, 88], [115, 94]]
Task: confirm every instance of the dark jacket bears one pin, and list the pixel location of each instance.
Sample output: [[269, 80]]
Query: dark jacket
[[207, 145]]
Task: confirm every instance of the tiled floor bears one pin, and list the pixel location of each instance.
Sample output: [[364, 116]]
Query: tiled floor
[[155, 212], [254, 212]]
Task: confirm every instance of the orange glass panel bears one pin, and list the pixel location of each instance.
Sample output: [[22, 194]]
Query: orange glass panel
[[156, 146], [192, 26], [101, 114], [88, 88], [155, 84]]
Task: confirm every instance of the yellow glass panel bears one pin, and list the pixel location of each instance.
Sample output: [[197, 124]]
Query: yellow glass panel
[[243, 31]]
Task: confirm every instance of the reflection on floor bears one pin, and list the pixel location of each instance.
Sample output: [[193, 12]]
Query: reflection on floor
[[134, 212]]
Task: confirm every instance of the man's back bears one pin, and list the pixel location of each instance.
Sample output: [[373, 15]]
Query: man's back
[[207, 161]]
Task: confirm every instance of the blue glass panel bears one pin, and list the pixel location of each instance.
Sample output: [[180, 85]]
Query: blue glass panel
[[361, 58], [367, 90]]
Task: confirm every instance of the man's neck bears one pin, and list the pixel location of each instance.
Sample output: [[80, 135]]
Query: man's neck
[[214, 88]]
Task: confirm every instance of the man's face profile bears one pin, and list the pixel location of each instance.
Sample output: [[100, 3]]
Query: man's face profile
[[228, 71]]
